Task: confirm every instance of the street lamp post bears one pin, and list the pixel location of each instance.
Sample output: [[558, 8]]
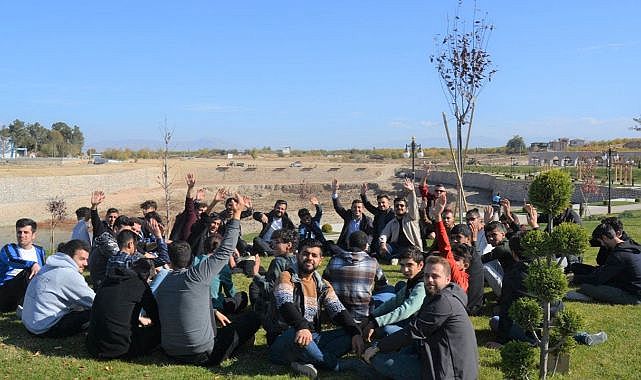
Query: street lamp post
[[608, 156], [410, 151]]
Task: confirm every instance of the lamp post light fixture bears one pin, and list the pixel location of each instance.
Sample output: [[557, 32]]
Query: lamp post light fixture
[[608, 156], [411, 151]]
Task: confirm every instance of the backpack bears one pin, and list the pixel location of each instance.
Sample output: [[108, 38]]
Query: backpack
[[264, 303]]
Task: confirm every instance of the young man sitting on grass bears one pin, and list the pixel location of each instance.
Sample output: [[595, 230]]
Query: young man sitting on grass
[[299, 298], [58, 300], [394, 314], [188, 331]]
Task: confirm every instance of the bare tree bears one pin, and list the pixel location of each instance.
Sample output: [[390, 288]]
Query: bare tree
[[166, 183], [638, 126], [57, 207], [464, 67]]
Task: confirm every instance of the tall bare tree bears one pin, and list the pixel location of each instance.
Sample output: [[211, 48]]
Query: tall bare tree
[[464, 67], [164, 179]]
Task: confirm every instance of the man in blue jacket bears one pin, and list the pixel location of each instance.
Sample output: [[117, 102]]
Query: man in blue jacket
[[19, 262]]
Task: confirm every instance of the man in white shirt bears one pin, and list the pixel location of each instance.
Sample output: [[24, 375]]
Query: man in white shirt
[[19, 262]]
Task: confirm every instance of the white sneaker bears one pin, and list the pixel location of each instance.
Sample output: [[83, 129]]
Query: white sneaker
[[19, 312], [305, 369]]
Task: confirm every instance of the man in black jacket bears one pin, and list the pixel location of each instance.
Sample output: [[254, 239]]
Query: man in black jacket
[[618, 280], [276, 219], [383, 214], [353, 219], [116, 328]]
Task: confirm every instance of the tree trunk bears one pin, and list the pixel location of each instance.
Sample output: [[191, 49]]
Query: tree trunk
[[545, 342]]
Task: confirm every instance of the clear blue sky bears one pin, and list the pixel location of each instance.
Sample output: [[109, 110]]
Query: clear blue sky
[[328, 74]]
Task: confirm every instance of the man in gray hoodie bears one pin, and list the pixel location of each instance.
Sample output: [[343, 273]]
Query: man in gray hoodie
[[58, 300]]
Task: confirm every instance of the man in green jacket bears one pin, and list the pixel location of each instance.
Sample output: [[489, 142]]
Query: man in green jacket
[[394, 314]]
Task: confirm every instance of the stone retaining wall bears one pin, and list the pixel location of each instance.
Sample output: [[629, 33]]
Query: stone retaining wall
[[517, 190]]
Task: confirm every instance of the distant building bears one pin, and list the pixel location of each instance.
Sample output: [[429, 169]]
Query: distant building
[[539, 147], [560, 145], [286, 150], [8, 149], [577, 142]]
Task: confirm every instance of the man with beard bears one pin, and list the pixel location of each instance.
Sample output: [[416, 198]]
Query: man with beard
[[275, 220], [299, 298], [403, 231], [439, 342], [353, 219], [382, 212]]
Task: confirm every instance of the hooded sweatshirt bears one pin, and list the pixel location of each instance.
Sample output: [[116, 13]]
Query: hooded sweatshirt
[[622, 269], [53, 293], [444, 334], [354, 275]]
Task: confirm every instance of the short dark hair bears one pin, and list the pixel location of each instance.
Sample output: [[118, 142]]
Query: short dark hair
[[83, 213], [381, 196], [473, 213], [358, 240], [413, 253], [69, 248], [461, 229], [24, 222], [111, 210], [604, 229], [212, 242], [615, 222], [125, 236], [303, 212], [286, 236], [123, 220], [448, 211], [149, 204], [400, 199], [432, 260], [144, 268], [515, 243], [310, 243], [280, 202], [495, 225], [137, 220], [355, 201], [462, 251], [180, 254], [153, 215]]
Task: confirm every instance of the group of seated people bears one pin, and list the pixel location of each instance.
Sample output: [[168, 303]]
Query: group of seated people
[[173, 289]]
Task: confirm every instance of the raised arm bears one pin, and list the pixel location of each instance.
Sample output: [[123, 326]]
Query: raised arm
[[96, 224], [368, 205], [412, 204], [444, 247]]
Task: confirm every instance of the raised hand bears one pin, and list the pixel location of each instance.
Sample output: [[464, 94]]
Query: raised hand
[[408, 184], [190, 179], [313, 200], [221, 195], [439, 206], [154, 226], [364, 188], [334, 186], [96, 198], [488, 215]]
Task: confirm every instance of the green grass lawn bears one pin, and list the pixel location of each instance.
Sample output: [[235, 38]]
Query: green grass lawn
[[24, 356]]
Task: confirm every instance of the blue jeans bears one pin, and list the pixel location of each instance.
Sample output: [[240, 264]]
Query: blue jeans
[[402, 365], [324, 350]]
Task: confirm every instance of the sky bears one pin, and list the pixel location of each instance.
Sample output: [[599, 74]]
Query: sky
[[327, 74]]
